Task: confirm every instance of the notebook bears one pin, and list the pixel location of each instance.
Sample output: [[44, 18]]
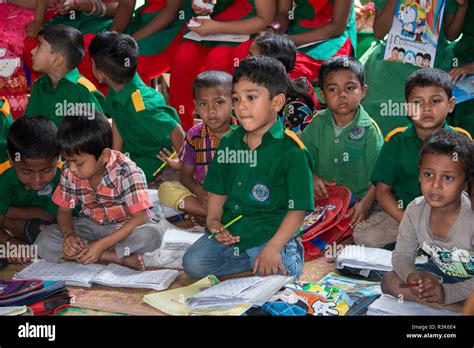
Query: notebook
[[389, 305], [250, 290], [111, 275]]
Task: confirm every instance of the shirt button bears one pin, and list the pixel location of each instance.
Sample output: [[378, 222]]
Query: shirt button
[[336, 141], [239, 184], [236, 206], [335, 160]]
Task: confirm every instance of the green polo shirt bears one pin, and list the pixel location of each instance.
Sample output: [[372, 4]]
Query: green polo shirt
[[263, 184], [348, 157], [144, 122], [5, 123], [72, 91], [397, 165], [14, 194]]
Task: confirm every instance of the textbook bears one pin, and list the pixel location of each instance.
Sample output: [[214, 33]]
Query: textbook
[[229, 293], [416, 26], [76, 274], [389, 305]]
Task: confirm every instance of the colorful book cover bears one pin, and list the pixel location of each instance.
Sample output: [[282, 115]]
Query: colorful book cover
[[416, 26]]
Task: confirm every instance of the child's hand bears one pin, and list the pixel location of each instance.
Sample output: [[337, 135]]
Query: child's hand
[[65, 6], [419, 278], [173, 163], [201, 11], [203, 197], [92, 254], [268, 262], [432, 291], [207, 27], [458, 74], [73, 245], [224, 237], [320, 186], [33, 29], [359, 213]]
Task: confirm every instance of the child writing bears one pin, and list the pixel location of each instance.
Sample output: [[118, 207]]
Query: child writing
[[430, 99], [343, 140], [61, 88], [260, 186], [27, 182], [441, 223], [115, 223], [213, 103], [142, 122]]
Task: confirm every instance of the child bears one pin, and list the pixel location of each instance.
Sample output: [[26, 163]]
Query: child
[[192, 57], [441, 223], [213, 103], [302, 99], [27, 182], [115, 223], [142, 122], [430, 98], [61, 88], [343, 140], [261, 172]]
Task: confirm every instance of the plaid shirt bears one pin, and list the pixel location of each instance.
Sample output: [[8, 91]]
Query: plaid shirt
[[199, 148], [121, 192]]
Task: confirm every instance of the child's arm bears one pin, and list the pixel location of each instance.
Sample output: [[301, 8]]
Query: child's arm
[[337, 25], [117, 139], [213, 220], [453, 24], [123, 15], [458, 74], [28, 213], [388, 201], [161, 21], [383, 19], [360, 211], [283, 14], [266, 10], [95, 249], [35, 26], [177, 137], [268, 262], [320, 185]]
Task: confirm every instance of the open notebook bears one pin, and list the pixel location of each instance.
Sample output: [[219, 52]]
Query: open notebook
[[389, 305], [111, 275]]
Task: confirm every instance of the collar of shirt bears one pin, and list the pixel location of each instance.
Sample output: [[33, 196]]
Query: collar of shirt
[[276, 131], [362, 118], [207, 132], [411, 132], [71, 76], [126, 92]]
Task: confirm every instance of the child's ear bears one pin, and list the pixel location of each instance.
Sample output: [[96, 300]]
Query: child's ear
[[278, 102], [321, 92], [452, 104], [106, 155], [364, 89]]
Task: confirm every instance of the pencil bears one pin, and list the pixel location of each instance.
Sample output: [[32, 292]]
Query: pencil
[[163, 165], [408, 285], [227, 225]]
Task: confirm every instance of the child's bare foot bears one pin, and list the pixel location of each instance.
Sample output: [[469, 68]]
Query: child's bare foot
[[134, 261]]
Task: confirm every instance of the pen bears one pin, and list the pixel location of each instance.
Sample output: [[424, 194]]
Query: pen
[[227, 225], [163, 165]]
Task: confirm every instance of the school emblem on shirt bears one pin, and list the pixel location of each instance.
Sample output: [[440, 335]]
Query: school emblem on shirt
[[357, 132], [260, 192], [46, 191]]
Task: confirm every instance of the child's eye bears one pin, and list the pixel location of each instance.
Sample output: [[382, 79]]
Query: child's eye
[[417, 102], [436, 101], [332, 89], [428, 174], [251, 97], [448, 178], [235, 100], [202, 104], [220, 102], [351, 88]]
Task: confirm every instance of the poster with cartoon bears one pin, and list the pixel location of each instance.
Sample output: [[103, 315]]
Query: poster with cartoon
[[413, 37]]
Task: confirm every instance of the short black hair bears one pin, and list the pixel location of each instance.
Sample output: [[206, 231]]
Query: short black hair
[[395, 48], [341, 63], [116, 55], [66, 40], [264, 71], [419, 54], [278, 47], [427, 56], [429, 77], [213, 79], [32, 137], [401, 50], [83, 134], [450, 143]]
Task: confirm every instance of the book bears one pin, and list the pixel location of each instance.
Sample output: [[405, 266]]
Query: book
[[416, 27], [14, 310], [389, 305], [227, 294], [173, 302], [49, 288], [13, 288], [111, 275], [464, 90]]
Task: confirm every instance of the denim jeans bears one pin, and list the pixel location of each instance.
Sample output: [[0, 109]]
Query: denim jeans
[[207, 256]]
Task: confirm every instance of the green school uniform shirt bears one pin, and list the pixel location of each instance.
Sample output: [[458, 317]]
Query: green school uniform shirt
[[72, 91], [85, 24], [464, 48], [348, 157], [5, 123], [14, 194], [397, 165], [144, 122], [263, 184]]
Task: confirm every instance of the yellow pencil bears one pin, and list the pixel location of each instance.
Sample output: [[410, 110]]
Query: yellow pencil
[[164, 164], [227, 225]]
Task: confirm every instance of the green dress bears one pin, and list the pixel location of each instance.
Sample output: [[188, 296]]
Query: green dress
[[386, 80], [85, 24]]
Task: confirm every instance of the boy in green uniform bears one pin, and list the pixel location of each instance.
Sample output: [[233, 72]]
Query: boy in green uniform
[[61, 89], [429, 96], [262, 172], [5, 122], [343, 140], [27, 182], [142, 122]]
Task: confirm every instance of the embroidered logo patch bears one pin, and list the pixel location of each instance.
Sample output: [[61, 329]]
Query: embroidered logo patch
[[46, 191], [357, 132], [260, 192]]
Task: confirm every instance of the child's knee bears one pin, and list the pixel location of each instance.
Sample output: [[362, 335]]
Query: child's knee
[[192, 262]]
